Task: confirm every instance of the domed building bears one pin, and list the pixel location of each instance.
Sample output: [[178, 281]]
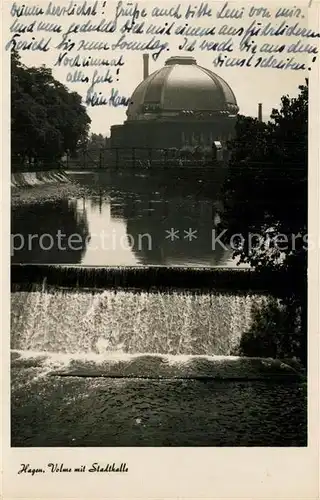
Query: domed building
[[179, 105]]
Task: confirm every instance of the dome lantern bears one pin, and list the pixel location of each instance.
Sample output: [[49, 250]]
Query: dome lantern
[[180, 60]]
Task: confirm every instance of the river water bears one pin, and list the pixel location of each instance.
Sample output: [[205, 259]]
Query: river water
[[128, 368], [125, 219], [128, 322], [80, 357]]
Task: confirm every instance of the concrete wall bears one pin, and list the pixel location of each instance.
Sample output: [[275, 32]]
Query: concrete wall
[[31, 179]]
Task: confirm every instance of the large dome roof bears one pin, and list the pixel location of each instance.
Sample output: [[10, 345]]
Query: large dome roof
[[182, 87]]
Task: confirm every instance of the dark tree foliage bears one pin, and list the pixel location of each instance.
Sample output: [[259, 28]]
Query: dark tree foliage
[[266, 194], [90, 153], [96, 142], [96, 146], [46, 119]]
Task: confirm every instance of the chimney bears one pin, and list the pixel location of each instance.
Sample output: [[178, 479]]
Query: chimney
[[145, 66], [260, 112]]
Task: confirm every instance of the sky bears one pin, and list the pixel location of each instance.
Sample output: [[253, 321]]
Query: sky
[[250, 85]]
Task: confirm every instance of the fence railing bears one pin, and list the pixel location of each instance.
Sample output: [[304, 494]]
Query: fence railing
[[36, 166], [139, 157], [135, 157]]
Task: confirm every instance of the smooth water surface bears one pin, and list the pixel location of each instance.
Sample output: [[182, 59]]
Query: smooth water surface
[[125, 218]]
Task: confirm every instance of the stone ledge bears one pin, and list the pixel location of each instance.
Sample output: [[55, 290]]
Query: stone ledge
[[32, 179], [158, 366]]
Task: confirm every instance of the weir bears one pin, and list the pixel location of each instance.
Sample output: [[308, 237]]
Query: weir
[[136, 368], [149, 277], [145, 356], [176, 323], [146, 330]]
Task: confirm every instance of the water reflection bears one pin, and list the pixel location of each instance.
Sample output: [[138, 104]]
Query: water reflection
[[159, 218], [174, 232], [40, 233]]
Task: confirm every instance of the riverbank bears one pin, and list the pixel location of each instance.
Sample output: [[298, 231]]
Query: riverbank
[[31, 179], [31, 187]]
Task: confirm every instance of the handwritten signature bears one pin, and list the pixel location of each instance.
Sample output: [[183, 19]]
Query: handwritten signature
[[94, 98]]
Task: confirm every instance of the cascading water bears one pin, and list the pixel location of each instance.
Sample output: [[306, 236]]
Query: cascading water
[[128, 333], [125, 368]]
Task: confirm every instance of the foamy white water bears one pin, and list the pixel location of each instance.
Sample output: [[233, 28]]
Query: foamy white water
[[77, 322]]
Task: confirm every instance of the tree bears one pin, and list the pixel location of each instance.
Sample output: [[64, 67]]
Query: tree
[[47, 120], [266, 195], [95, 147]]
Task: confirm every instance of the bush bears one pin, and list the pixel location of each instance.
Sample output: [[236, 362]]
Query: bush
[[275, 332]]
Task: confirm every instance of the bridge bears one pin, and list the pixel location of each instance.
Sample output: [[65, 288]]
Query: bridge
[[142, 157]]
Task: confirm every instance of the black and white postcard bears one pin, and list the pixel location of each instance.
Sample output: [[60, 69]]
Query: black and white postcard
[[160, 269]]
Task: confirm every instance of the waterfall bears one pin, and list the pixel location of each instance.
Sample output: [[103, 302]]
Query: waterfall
[[174, 323]]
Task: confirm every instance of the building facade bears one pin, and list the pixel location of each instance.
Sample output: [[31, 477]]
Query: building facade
[[180, 105]]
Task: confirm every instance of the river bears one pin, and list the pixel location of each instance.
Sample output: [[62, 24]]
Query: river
[[124, 219], [130, 367]]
